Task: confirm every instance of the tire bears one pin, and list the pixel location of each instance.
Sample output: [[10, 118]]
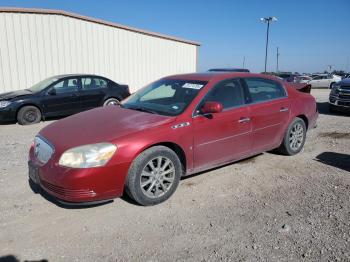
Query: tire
[[294, 139], [28, 115], [149, 186], [111, 102], [331, 86]]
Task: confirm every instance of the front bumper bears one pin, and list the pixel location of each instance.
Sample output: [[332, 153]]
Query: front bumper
[[8, 114], [73, 186], [339, 102]]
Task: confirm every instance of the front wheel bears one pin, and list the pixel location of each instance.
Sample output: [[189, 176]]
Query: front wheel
[[28, 115], [154, 176], [294, 139]]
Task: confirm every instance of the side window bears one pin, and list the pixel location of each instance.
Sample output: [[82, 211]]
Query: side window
[[229, 93], [93, 83], [263, 89], [66, 86], [164, 91]]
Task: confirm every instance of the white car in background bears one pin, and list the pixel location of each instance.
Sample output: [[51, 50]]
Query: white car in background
[[303, 79], [326, 81]]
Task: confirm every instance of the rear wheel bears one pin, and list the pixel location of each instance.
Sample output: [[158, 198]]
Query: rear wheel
[[154, 176], [294, 139], [28, 115], [111, 102]]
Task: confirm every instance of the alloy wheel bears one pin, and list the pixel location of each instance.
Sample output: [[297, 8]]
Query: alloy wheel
[[157, 177], [296, 137]]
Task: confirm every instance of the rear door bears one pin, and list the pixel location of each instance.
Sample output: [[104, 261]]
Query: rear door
[[62, 98], [93, 92], [269, 112], [225, 136]]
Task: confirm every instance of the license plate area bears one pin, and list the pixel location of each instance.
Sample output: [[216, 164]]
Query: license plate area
[[33, 173]]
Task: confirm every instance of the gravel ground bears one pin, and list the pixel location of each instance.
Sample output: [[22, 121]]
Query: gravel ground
[[265, 208]]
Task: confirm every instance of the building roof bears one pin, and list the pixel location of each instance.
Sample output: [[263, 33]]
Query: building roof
[[94, 20]]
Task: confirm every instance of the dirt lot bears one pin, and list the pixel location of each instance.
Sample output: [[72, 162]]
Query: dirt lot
[[266, 208]]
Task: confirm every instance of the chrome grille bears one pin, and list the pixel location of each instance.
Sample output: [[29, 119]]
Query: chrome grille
[[43, 151]]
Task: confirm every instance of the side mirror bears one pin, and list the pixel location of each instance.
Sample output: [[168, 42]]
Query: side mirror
[[211, 108], [52, 92]]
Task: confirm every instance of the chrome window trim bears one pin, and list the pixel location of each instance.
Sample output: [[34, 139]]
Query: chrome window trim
[[195, 114]]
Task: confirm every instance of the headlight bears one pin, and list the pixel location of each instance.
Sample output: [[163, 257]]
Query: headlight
[[87, 156], [335, 88], [4, 104]]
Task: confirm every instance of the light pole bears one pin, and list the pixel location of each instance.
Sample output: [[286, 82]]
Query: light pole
[[278, 55], [267, 20]]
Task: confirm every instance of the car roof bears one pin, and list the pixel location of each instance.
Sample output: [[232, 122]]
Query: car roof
[[228, 70], [214, 76], [76, 75]]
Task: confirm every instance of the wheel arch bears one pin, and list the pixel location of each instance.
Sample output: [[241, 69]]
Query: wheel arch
[[305, 119], [174, 147], [31, 104]]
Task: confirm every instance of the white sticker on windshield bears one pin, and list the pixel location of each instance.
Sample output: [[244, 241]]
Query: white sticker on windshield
[[192, 86]]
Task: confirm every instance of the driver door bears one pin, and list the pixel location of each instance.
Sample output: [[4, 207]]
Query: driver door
[[63, 98], [224, 136]]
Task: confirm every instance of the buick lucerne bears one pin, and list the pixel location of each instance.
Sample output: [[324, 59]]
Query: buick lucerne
[[176, 126]]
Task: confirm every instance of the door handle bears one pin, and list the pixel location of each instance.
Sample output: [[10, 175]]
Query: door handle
[[244, 120], [284, 109]]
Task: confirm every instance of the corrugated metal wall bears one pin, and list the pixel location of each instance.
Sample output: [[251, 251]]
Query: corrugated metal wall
[[36, 46]]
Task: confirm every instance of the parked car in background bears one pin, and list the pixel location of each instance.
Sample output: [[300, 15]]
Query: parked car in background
[[177, 126], [324, 81], [60, 96], [339, 97], [286, 76], [229, 70], [303, 79]]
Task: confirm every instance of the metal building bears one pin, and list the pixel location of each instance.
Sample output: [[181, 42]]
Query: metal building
[[39, 43]]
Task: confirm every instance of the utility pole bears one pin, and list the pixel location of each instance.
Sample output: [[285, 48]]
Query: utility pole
[[330, 68], [267, 20], [278, 54], [243, 62]]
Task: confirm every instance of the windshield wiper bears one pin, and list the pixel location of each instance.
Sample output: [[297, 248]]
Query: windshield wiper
[[142, 109]]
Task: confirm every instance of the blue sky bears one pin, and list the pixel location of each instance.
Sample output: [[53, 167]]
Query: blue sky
[[310, 34]]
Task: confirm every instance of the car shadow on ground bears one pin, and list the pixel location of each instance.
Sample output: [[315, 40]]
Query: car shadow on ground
[[12, 258], [337, 160], [323, 108]]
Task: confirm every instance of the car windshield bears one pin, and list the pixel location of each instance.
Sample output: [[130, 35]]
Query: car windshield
[[42, 84], [168, 97]]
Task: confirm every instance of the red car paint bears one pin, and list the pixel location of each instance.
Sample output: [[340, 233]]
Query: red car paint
[[204, 142]]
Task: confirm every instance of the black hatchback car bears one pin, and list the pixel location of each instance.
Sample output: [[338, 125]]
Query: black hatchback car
[[61, 95]]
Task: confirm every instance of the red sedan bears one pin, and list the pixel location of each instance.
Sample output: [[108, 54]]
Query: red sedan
[[174, 127]]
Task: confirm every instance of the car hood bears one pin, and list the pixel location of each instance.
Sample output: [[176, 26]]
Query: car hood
[[15, 94], [104, 124], [345, 82]]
